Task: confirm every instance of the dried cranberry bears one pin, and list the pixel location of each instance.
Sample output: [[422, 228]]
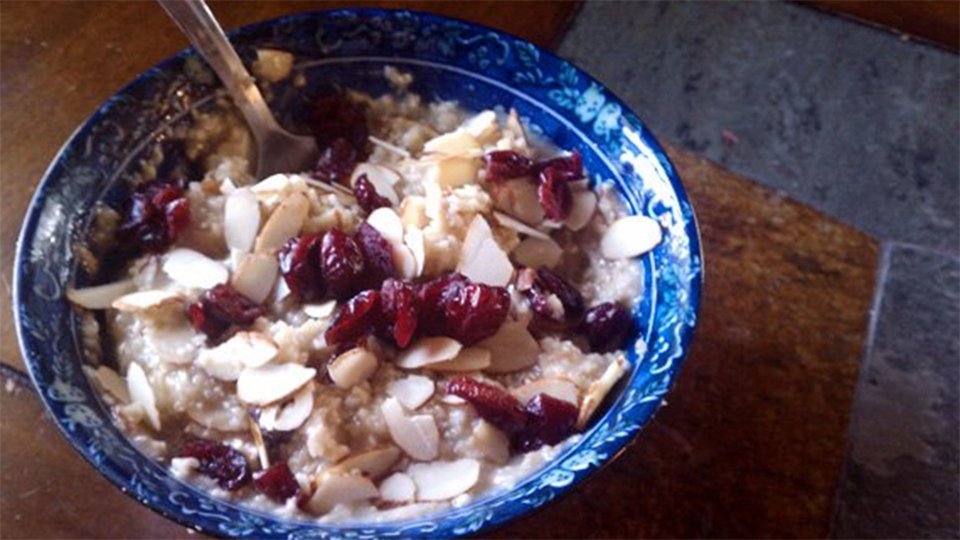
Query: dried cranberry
[[154, 216], [367, 196], [492, 404], [356, 319], [342, 264], [433, 297], [277, 482], [336, 117], [300, 266], [506, 164], [607, 326], [399, 301], [221, 307], [542, 286], [336, 162], [567, 168], [554, 195], [377, 256], [475, 312], [218, 461], [549, 421]]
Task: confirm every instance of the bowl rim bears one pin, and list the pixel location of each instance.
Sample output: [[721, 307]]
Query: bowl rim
[[33, 213]]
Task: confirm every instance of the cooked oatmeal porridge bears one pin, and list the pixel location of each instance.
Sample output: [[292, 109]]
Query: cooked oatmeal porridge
[[430, 315]]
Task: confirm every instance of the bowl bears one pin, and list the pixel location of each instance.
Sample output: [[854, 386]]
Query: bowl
[[450, 59]]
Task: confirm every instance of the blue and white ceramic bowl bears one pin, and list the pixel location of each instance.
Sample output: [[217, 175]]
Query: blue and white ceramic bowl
[[450, 59]]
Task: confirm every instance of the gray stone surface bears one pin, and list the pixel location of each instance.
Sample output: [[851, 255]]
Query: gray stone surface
[[903, 470], [845, 117]]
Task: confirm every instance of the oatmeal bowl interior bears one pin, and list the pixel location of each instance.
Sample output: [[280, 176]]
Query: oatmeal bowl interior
[[479, 295]]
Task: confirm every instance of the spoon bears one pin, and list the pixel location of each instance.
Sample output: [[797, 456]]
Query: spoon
[[278, 150]]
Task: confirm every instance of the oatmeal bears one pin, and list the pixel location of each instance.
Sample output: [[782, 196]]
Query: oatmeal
[[433, 313]]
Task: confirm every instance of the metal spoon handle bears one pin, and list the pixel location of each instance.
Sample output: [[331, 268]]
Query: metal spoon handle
[[205, 34]]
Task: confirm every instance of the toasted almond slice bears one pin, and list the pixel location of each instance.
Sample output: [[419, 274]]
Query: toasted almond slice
[[100, 296], [417, 436], [271, 383], [477, 233], [492, 442], [193, 269], [512, 348], [515, 128], [320, 311], [412, 391], [557, 387], [381, 178], [285, 222], [273, 183], [490, 265], [373, 463], [344, 194], [256, 275], [484, 127], [442, 480], [110, 382], [414, 241], [469, 359], [352, 367], [404, 261], [428, 350], [387, 223], [241, 219], [335, 489], [289, 415], [582, 184], [584, 206], [537, 253], [142, 393], [451, 399], [599, 389], [215, 416], [456, 143], [452, 171], [258, 441], [398, 488], [518, 198], [147, 300], [220, 362], [243, 349], [630, 236], [413, 211], [519, 226], [389, 147]]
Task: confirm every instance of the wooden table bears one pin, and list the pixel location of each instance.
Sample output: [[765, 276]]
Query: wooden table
[[751, 443]]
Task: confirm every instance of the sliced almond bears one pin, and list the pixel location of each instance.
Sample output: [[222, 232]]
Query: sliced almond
[[492, 442], [142, 393], [285, 222], [258, 441], [218, 417], [514, 127], [512, 348], [147, 301], [193, 269], [242, 350], [536, 253], [320, 311], [584, 206], [398, 488], [490, 265], [478, 232], [599, 389], [344, 194], [429, 350], [100, 296], [484, 127], [373, 463], [111, 382], [519, 199], [389, 147], [381, 178], [414, 241], [556, 387], [291, 414], [271, 383], [413, 211], [451, 399], [335, 489], [630, 236], [387, 223], [241, 219], [256, 275], [443, 480], [412, 391], [220, 363], [417, 436], [352, 367], [519, 226], [452, 171], [455, 143], [469, 359], [404, 261]]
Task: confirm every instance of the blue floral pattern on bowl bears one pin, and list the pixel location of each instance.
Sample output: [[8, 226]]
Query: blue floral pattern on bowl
[[451, 59]]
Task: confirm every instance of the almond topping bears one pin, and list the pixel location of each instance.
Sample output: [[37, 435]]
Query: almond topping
[[382, 179], [335, 489], [352, 367], [255, 276], [484, 127], [443, 480], [518, 198], [387, 223], [452, 171], [412, 391], [455, 143], [193, 269], [599, 389], [258, 441], [241, 219], [142, 393], [414, 241], [285, 222], [373, 463], [291, 414], [519, 226], [271, 383], [398, 488], [512, 348], [147, 301], [469, 359], [537, 253], [100, 296], [110, 381], [630, 236], [492, 442], [584, 205], [320, 311], [490, 265], [557, 387], [417, 435], [429, 350]]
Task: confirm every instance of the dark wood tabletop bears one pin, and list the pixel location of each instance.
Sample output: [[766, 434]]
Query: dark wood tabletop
[[750, 444]]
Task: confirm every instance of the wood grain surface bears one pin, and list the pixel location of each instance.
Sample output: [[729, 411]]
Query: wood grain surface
[[752, 440], [937, 21]]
